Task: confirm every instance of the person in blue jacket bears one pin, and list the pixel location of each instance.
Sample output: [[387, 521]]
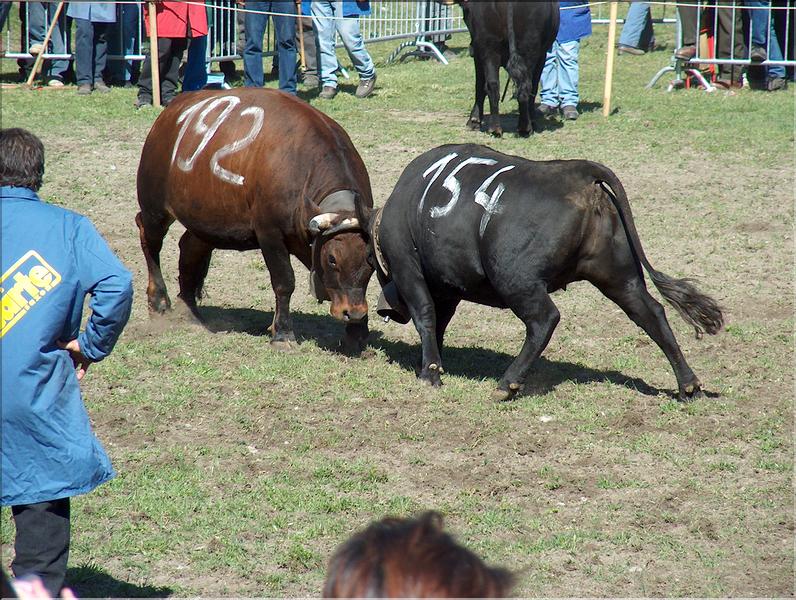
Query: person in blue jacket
[[561, 71], [94, 23], [52, 258], [342, 16]]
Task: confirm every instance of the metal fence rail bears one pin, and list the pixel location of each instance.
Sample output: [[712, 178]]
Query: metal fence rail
[[740, 26]]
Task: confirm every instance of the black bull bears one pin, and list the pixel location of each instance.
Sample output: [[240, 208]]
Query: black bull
[[465, 222], [514, 35]]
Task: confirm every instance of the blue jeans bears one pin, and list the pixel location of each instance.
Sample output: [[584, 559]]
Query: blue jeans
[[91, 50], [39, 18], [123, 40], [285, 28], [195, 76], [764, 34], [560, 75], [350, 35], [637, 30]]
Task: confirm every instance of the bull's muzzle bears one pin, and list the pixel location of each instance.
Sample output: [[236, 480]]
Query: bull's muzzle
[[350, 307]]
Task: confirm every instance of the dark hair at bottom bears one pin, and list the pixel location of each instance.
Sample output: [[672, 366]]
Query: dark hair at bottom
[[395, 558], [21, 159]]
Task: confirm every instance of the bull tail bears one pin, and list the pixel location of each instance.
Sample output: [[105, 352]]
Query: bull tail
[[700, 311], [517, 69]]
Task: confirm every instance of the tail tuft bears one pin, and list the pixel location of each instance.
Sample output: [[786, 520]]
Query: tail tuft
[[702, 312]]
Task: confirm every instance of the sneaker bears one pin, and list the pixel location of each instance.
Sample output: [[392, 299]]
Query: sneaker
[[36, 48], [685, 53], [142, 103], [100, 87], [758, 54], [311, 81], [55, 83], [624, 49], [777, 83], [328, 92], [547, 110], [570, 112], [365, 87], [84, 89]]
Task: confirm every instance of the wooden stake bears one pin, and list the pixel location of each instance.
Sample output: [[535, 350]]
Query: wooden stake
[[40, 56], [609, 64], [154, 55], [301, 36]]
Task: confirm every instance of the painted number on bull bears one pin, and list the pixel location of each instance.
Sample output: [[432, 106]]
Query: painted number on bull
[[196, 115], [490, 203]]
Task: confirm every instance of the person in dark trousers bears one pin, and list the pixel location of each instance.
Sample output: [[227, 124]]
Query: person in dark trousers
[[179, 23], [52, 259], [94, 22]]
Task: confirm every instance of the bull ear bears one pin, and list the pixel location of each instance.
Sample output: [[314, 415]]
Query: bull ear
[[363, 214], [321, 222]]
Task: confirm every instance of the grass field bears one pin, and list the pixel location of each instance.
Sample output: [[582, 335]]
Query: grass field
[[240, 468]]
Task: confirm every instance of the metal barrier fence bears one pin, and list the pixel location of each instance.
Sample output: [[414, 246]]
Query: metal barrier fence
[[727, 37], [424, 25], [425, 22]]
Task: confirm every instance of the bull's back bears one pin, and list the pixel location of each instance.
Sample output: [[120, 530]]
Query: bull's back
[[475, 214], [226, 162]]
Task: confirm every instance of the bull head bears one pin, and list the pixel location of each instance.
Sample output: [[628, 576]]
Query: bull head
[[339, 270]]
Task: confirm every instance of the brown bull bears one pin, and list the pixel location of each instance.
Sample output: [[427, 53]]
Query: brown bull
[[257, 168]]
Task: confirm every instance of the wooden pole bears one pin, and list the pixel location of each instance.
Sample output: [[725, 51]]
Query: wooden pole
[[154, 55], [300, 26], [609, 65], [40, 56]]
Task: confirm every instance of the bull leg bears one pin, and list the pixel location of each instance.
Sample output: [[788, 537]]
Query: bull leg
[[444, 312], [477, 114], [283, 280], [151, 231], [537, 77], [418, 300], [540, 315], [647, 313], [492, 74], [194, 264]]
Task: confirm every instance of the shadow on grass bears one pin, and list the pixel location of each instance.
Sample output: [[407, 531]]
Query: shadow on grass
[[545, 376], [472, 362], [325, 330], [89, 581]]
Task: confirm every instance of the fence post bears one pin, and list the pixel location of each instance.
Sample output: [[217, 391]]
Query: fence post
[[609, 65], [154, 55]]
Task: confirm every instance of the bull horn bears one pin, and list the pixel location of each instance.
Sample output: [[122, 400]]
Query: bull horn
[[321, 222], [345, 225]]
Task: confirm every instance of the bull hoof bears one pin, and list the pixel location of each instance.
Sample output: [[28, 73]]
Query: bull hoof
[[501, 395], [523, 133], [431, 375], [159, 305], [690, 392], [284, 345], [473, 125]]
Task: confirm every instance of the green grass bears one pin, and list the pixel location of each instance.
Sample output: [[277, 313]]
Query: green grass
[[240, 469]]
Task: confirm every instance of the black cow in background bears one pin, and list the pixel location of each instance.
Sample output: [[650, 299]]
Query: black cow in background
[[465, 222], [513, 35]]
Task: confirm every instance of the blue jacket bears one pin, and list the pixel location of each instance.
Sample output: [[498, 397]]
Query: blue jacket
[[51, 259], [351, 8], [96, 12], [575, 22]]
